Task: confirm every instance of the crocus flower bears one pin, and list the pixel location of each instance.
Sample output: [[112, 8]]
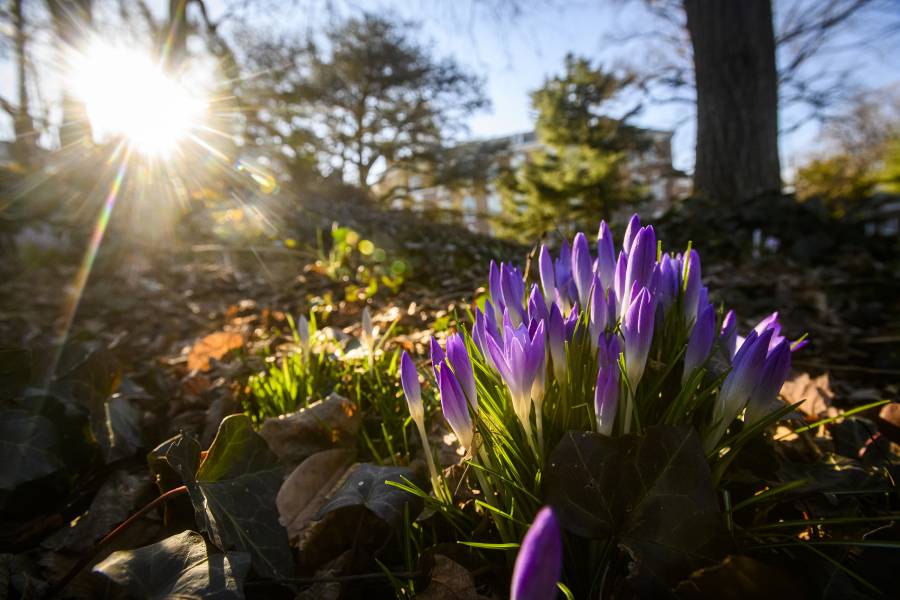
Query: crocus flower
[[728, 335], [641, 262], [495, 290], [409, 379], [437, 357], [606, 256], [599, 314], [692, 287], [606, 394], [456, 408], [774, 373], [669, 280], [556, 338], [566, 292], [303, 335], [367, 337], [537, 308], [637, 331], [634, 224], [512, 288], [548, 276], [621, 268], [700, 341], [518, 361], [539, 562], [461, 364], [745, 373], [582, 268]]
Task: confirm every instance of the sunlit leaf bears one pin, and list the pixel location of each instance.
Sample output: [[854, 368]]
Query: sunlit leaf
[[177, 567], [233, 493]]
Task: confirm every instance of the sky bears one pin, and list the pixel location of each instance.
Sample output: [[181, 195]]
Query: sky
[[516, 54]]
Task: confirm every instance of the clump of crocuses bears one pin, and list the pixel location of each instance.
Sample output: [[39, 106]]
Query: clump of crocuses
[[640, 317]]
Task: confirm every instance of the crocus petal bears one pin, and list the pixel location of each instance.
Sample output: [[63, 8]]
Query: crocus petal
[[537, 307], [599, 312], [641, 261], [700, 342], [634, 224], [455, 408], [437, 357], [637, 330], [773, 376], [548, 276], [539, 562], [606, 397], [692, 287], [556, 336], [606, 256], [728, 335], [621, 268], [409, 379], [582, 267], [462, 367]]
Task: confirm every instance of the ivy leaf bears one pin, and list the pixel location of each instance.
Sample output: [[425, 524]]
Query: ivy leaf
[[653, 494], [233, 493], [177, 567], [27, 448], [365, 486]]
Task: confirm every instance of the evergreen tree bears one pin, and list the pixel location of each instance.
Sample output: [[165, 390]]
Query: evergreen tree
[[580, 173]]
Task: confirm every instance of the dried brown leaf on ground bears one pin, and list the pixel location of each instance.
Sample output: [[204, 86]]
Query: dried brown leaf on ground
[[815, 393], [329, 423], [214, 346], [306, 489], [449, 581]]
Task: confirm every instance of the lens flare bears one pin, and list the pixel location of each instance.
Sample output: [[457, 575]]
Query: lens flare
[[128, 95]]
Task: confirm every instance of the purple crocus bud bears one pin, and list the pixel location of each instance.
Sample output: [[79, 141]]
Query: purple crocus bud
[[669, 280], [634, 224], [741, 380], [494, 285], [548, 276], [537, 364], [637, 331], [582, 268], [619, 286], [769, 322], [774, 373], [692, 287], [462, 367], [537, 308], [409, 379], [556, 337], [518, 361], [606, 397], [437, 357], [565, 287], [700, 342], [641, 261], [512, 288], [606, 256], [612, 307], [728, 335], [539, 562], [599, 312], [455, 408]]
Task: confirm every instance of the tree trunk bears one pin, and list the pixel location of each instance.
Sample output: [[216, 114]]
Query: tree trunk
[[71, 21], [23, 126], [737, 98]]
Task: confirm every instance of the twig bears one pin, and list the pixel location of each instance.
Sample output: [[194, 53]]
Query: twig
[[87, 558]]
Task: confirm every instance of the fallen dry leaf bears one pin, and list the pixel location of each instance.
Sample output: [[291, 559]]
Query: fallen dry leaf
[[815, 393], [449, 581], [215, 345], [329, 423], [306, 489]]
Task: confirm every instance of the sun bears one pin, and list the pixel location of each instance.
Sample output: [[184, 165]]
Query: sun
[[127, 94]]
